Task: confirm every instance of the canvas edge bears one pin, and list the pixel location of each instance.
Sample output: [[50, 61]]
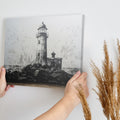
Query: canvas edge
[[44, 15], [82, 42]]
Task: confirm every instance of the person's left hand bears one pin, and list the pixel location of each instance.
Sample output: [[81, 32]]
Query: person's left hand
[[3, 85]]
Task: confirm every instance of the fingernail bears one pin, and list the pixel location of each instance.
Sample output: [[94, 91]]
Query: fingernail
[[78, 73], [12, 86], [3, 69]]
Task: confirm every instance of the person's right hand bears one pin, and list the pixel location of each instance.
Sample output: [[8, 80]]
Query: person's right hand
[[3, 85], [71, 93], [71, 99]]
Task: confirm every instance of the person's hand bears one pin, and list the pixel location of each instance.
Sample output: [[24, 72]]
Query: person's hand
[[71, 93], [71, 99], [3, 85]]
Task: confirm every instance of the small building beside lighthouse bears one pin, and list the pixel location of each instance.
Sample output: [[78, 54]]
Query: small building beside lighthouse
[[41, 54], [54, 63]]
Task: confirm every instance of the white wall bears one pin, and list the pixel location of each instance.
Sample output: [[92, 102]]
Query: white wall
[[102, 23]]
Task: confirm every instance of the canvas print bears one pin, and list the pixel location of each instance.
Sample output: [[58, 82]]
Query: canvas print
[[43, 49]]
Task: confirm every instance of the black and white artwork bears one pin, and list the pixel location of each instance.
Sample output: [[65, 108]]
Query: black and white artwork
[[43, 49]]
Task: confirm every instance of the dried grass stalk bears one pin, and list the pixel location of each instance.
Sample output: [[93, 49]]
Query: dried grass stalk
[[108, 88], [86, 110], [118, 73]]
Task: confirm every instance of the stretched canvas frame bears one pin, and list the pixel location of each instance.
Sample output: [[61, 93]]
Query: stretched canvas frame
[[43, 50]]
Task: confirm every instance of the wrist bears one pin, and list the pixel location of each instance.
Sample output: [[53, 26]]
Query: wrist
[[71, 101], [67, 105]]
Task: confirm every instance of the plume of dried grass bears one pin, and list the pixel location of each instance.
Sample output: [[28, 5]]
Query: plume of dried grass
[[86, 110], [108, 84]]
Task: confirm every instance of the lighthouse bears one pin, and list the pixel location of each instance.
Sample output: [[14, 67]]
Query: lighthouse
[[41, 55]]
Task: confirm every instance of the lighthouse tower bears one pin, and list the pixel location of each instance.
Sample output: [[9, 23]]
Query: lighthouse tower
[[41, 55]]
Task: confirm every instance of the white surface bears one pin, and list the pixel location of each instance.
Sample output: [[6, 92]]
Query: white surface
[[102, 23]]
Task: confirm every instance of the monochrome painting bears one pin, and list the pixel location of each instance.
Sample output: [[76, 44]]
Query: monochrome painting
[[43, 50]]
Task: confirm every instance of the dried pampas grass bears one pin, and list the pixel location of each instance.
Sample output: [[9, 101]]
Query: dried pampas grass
[[86, 110], [108, 84]]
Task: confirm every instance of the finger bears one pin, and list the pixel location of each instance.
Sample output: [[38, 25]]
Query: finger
[[7, 88], [2, 73], [83, 76], [1, 95], [82, 80], [0, 70], [75, 76]]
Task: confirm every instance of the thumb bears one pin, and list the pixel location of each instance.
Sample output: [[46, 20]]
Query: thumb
[[3, 73], [2, 81]]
